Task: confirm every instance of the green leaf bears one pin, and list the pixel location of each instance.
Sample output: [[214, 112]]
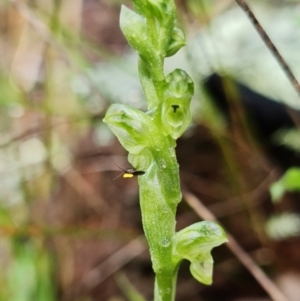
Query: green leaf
[[291, 179], [134, 28], [195, 244], [155, 8], [289, 182]]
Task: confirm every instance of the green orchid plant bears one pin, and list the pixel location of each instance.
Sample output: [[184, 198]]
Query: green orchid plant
[[150, 137]]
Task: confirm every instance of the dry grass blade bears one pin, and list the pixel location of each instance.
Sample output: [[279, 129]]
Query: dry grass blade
[[108, 267], [270, 44]]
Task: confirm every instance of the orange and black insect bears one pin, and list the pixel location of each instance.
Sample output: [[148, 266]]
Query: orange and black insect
[[130, 172]]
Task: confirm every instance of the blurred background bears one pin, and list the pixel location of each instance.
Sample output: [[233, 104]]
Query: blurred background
[[68, 231]]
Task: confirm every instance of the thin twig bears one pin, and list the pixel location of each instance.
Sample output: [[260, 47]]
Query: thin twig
[[268, 285], [232, 205], [113, 263], [270, 45], [84, 189]]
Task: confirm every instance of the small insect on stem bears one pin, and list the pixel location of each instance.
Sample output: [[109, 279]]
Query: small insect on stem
[[129, 172]]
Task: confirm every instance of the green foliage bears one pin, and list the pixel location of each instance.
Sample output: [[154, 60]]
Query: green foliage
[[289, 182], [30, 273], [287, 137], [128, 289], [150, 139]]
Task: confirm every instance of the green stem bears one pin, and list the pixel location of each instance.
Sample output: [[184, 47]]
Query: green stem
[[165, 286], [159, 196], [152, 80]]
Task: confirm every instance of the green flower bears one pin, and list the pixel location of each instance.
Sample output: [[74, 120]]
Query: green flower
[[195, 244], [176, 115]]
